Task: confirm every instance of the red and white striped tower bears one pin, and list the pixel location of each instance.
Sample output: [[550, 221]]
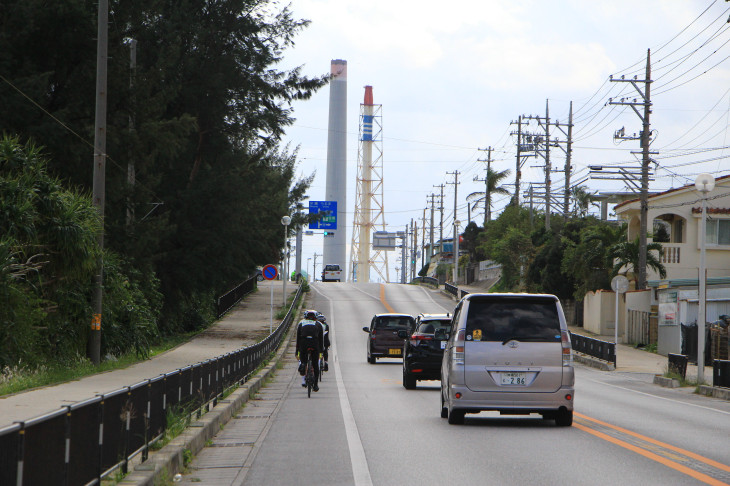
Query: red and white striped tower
[[369, 211]]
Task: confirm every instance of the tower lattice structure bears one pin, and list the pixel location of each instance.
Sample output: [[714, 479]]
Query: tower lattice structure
[[369, 208]]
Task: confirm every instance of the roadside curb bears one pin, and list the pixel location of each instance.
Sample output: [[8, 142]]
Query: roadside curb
[[715, 391], [666, 382], [169, 460], [593, 362]]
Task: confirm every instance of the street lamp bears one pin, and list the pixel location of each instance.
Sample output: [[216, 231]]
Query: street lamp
[[704, 183], [285, 220]]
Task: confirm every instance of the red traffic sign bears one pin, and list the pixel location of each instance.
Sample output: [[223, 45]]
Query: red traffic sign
[[269, 272]]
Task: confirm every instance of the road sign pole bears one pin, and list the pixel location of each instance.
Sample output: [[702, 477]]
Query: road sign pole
[[271, 318]]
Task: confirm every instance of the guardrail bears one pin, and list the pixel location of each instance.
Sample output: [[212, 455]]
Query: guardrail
[[452, 289], [594, 347], [721, 373], [82, 443], [232, 297], [427, 280]]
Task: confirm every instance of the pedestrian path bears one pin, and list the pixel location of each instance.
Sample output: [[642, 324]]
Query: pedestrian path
[[247, 323], [228, 457]]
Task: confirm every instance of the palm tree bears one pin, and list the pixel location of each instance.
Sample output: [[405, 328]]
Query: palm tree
[[494, 178], [582, 200], [626, 254]]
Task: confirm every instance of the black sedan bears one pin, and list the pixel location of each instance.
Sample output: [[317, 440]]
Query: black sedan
[[424, 348]]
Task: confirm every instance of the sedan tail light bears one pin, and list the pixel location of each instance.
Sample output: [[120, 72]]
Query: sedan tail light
[[418, 338]]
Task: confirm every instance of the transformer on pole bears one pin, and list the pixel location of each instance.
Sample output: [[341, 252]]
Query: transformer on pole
[[369, 211]]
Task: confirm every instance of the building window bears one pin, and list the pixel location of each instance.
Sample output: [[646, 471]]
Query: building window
[[718, 232]]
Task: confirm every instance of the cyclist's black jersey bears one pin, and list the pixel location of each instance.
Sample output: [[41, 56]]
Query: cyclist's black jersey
[[309, 335]]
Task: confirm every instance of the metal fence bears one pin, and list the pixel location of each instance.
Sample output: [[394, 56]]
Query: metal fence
[[594, 347], [81, 443], [427, 280], [234, 296], [452, 289]]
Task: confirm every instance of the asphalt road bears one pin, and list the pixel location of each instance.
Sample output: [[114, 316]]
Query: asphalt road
[[364, 428]]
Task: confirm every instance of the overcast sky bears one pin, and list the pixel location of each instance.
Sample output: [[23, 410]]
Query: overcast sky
[[452, 76]]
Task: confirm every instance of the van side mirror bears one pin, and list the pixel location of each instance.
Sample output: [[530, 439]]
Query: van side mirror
[[366, 329], [402, 334]]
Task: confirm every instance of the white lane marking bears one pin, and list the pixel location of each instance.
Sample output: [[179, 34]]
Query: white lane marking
[[428, 294], [359, 462], [661, 398]]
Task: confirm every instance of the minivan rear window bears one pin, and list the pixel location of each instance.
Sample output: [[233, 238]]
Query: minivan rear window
[[522, 319], [394, 323]]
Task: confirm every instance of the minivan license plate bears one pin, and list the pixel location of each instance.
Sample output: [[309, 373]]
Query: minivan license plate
[[513, 378], [394, 351]]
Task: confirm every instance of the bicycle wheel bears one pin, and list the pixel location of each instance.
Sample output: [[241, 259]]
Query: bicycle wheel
[[321, 368], [310, 376]]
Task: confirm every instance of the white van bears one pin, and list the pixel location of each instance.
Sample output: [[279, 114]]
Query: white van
[[510, 353], [332, 273]]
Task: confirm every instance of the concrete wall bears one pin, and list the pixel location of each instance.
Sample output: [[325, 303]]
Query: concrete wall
[[599, 312]]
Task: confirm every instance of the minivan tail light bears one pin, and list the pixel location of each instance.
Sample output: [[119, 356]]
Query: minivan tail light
[[458, 355], [565, 344]]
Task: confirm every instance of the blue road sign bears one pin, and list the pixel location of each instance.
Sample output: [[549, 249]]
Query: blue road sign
[[327, 222], [269, 272]]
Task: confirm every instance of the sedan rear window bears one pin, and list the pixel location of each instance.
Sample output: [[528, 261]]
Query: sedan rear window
[[533, 320], [394, 323], [431, 327]]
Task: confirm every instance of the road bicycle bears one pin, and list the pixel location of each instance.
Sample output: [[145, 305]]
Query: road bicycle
[[321, 368], [309, 377]]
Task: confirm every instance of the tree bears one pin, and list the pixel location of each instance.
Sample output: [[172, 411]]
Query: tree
[[582, 200], [590, 260], [210, 105], [626, 254], [494, 178]]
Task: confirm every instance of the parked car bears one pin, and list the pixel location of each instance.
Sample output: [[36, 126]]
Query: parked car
[[510, 353], [423, 349], [332, 273], [383, 338]]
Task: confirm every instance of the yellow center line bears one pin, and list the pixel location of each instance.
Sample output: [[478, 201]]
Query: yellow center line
[[382, 299], [650, 455], [697, 457]]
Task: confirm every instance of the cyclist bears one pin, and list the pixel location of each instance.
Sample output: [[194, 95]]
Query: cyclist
[[309, 336], [325, 338]]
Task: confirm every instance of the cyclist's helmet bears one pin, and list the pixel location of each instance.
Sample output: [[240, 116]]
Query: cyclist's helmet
[[321, 318], [311, 315]]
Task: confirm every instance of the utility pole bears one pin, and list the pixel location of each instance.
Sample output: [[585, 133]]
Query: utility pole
[[487, 191], [645, 138], [430, 252], [568, 157], [518, 163], [403, 256], [130, 164], [314, 268], [456, 225], [414, 248], [423, 239], [548, 167], [99, 185], [441, 224]]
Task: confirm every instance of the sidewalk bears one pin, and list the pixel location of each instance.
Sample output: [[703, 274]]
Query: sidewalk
[[246, 324]]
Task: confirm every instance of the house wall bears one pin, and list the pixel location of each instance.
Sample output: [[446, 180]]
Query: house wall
[[682, 258]]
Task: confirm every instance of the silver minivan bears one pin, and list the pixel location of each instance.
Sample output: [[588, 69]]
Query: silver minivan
[[509, 353]]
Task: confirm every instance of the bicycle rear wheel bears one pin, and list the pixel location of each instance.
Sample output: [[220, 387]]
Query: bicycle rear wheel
[[310, 376]]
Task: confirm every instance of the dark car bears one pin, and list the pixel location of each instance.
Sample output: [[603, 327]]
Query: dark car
[[383, 338], [423, 349]]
